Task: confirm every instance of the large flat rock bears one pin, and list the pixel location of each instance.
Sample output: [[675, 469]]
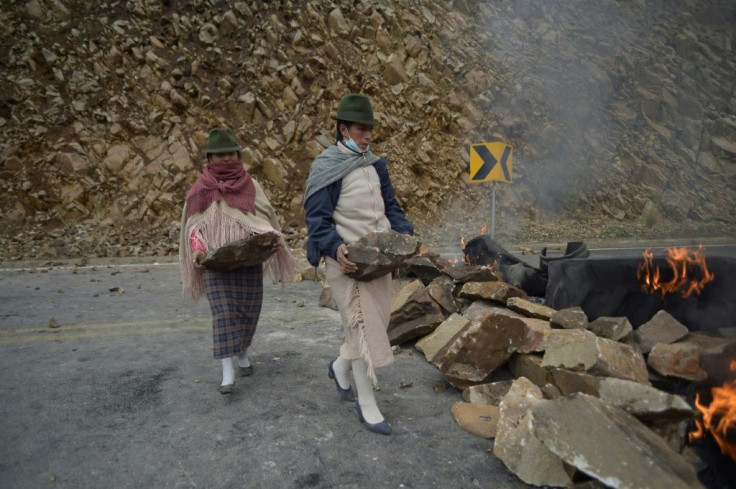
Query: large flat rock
[[246, 252], [609, 444], [377, 254]]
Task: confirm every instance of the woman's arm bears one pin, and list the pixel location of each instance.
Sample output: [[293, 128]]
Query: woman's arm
[[323, 237], [394, 212]]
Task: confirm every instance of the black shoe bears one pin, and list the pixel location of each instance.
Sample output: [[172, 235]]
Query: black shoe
[[225, 389], [382, 428], [346, 394], [246, 371]]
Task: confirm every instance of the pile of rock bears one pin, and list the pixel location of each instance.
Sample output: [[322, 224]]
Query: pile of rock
[[581, 401]]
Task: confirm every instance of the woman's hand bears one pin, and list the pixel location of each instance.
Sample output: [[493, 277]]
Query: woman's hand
[[346, 266], [195, 259]]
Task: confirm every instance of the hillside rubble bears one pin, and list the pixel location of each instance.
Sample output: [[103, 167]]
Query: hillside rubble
[[621, 114]]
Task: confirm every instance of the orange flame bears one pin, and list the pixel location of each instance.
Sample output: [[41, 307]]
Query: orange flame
[[719, 417], [689, 272]]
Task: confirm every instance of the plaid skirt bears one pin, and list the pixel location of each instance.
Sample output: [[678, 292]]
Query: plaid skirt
[[235, 301]]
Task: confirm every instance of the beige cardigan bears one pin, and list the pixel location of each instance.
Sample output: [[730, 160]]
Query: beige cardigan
[[360, 209]]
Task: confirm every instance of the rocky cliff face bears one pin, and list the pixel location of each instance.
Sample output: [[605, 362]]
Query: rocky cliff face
[[620, 113]]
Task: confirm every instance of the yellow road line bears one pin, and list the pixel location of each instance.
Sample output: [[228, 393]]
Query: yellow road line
[[31, 329], [126, 324], [82, 331], [61, 337]]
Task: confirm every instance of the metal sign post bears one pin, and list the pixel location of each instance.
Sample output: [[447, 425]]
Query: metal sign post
[[493, 212]]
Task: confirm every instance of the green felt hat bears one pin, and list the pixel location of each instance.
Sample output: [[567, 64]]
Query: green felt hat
[[221, 141], [355, 108]]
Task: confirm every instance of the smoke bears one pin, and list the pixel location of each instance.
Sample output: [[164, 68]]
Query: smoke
[[561, 57], [568, 97]]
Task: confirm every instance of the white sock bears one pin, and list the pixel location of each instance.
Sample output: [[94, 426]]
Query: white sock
[[342, 367], [243, 359], [366, 398], [228, 372]]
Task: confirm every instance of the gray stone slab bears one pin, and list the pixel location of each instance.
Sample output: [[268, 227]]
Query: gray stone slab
[[246, 252], [610, 445]]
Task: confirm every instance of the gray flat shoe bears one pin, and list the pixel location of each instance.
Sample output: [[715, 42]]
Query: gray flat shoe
[[346, 394], [246, 371], [225, 389], [382, 428]]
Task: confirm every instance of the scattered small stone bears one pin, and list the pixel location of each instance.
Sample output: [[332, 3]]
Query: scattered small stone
[[53, 323]]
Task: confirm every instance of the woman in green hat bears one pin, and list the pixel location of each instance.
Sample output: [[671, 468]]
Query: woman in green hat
[[348, 195], [224, 205]]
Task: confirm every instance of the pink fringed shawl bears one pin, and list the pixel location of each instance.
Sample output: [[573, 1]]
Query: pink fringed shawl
[[220, 224]]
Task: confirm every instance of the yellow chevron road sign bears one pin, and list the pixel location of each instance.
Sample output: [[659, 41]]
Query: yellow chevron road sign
[[491, 162]]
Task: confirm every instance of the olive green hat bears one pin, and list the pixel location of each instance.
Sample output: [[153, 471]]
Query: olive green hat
[[355, 108], [221, 141]]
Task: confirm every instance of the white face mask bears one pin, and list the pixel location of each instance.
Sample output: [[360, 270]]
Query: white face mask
[[350, 144]]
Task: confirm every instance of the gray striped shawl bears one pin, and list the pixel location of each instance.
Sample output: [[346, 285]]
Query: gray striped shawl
[[331, 165]]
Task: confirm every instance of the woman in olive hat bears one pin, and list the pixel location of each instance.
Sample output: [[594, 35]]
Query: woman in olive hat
[[224, 205], [348, 195]]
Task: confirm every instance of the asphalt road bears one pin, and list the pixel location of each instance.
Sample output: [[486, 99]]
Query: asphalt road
[[123, 394]]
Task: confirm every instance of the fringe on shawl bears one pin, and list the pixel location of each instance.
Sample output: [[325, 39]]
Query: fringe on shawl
[[355, 314], [218, 229]]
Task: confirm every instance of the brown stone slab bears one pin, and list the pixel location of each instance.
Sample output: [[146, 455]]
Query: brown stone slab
[[609, 444], [246, 252], [529, 308], [477, 419], [377, 254], [441, 336]]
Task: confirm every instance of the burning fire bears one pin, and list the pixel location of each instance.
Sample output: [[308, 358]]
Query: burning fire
[[689, 272], [719, 417], [483, 230], [470, 262]]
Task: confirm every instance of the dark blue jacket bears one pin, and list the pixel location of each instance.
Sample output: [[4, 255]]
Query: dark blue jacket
[[323, 237]]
